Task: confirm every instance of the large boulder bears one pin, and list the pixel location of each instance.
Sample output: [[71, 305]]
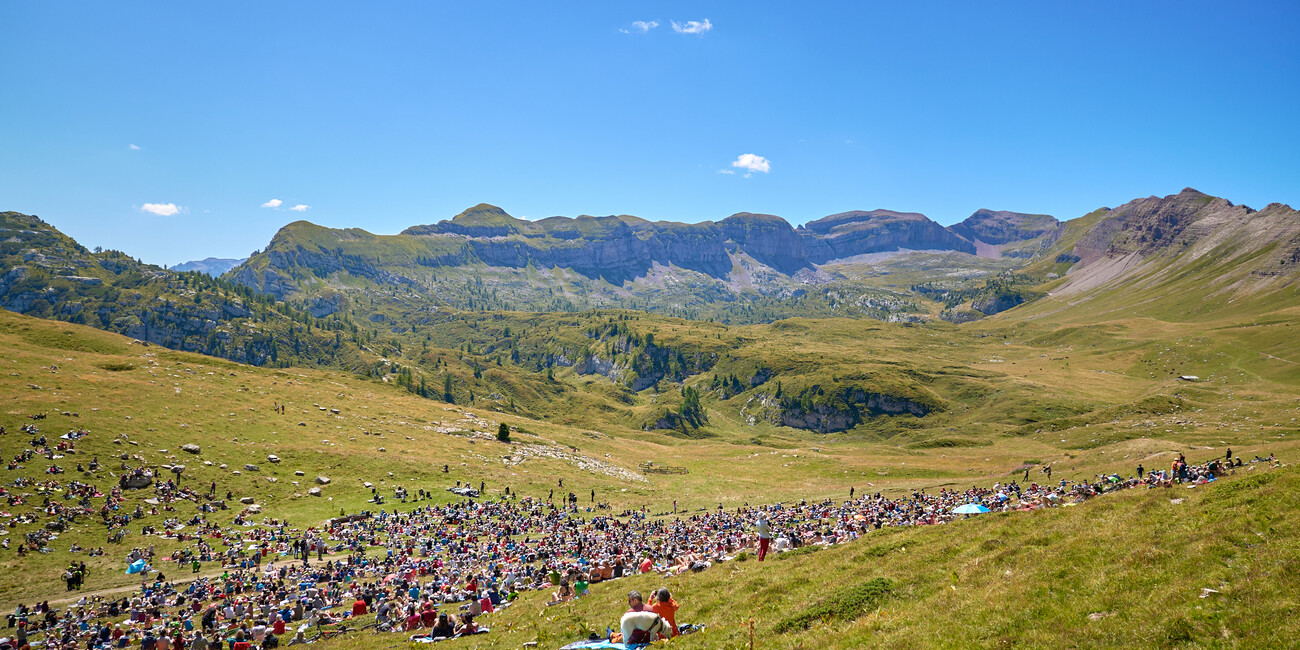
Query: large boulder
[[136, 482], [191, 448], [314, 492], [323, 480], [248, 501]]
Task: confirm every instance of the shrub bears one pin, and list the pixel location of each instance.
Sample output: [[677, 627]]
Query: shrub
[[503, 432], [844, 605]]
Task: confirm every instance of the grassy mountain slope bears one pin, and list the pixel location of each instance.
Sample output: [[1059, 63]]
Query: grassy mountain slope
[[1135, 559]]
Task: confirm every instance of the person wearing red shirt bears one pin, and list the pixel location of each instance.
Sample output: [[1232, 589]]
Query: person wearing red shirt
[[666, 608], [359, 607]]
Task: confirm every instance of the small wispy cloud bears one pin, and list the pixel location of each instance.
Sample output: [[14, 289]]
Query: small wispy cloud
[[301, 207], [726, 171], [692, 26], [133, 147], [273, 203], [643, 26], [162, 209], [752, 163]]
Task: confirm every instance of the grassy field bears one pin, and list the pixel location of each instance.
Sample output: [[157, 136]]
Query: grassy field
[[1019, 392], [1124, 570]]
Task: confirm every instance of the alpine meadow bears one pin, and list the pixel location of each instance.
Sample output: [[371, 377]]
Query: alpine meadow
[[753, 416]]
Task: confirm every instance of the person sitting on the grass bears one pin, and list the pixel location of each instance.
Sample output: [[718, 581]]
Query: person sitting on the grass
[[666, 607], [641, 624], [563, 594], [443, 628], [467, 626]]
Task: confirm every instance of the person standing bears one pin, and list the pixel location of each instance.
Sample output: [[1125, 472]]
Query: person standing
[[764, 531], [851, 489], [1140, 474]]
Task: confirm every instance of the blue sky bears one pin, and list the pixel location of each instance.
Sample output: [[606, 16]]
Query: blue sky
[[386, 115]]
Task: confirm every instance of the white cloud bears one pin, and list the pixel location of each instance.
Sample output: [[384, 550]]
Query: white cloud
[[273, 203], [692, 26], [133, 147], [752, 163], [161, 209], [726, 171], [301, 207], [644, 26]]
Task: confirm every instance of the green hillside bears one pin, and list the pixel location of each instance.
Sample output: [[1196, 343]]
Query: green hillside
[[1134, 561]]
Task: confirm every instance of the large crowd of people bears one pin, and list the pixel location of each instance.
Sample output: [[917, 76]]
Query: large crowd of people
[[436, 568]]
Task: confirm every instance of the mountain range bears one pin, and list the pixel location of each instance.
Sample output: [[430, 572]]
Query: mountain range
[[213, 266], [486, 306], [623, 249]]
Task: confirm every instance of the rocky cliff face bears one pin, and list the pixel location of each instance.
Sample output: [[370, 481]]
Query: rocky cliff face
[[615, 248], [768, 239], [1003, 227], [843, 408], [856, 233]]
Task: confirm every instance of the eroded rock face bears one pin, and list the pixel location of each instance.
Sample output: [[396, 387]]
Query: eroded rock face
[[616, 248], [1001, 226], [854, 406], [857, 233]]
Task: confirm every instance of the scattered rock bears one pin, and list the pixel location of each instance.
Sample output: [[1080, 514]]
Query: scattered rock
[[302, 424], [272, 458], [254, 509], [1097, 616], [272, 479], [237, 473], [368, 484], [191, 448], [137, 482], [1175, 501], [251, 467], [1206, 592], [295, 483], [382, 449], [314, 492], [323, 480], [248, 501], [221, 466], [299, 473]]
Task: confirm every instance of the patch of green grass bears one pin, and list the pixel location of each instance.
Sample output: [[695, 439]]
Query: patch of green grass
[[844, 605]]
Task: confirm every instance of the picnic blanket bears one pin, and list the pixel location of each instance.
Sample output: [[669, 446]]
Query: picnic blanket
[[597, 645]]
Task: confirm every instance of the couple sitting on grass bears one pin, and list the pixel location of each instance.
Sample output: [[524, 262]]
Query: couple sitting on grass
[[644, 624]]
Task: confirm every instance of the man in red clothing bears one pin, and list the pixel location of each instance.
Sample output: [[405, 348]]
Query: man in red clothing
[[359, 607]]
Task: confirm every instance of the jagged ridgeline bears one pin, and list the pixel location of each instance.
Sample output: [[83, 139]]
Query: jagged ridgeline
[[745, 268], [425, 310]]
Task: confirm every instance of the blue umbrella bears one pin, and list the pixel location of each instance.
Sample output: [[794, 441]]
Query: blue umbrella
[[970, 509]]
